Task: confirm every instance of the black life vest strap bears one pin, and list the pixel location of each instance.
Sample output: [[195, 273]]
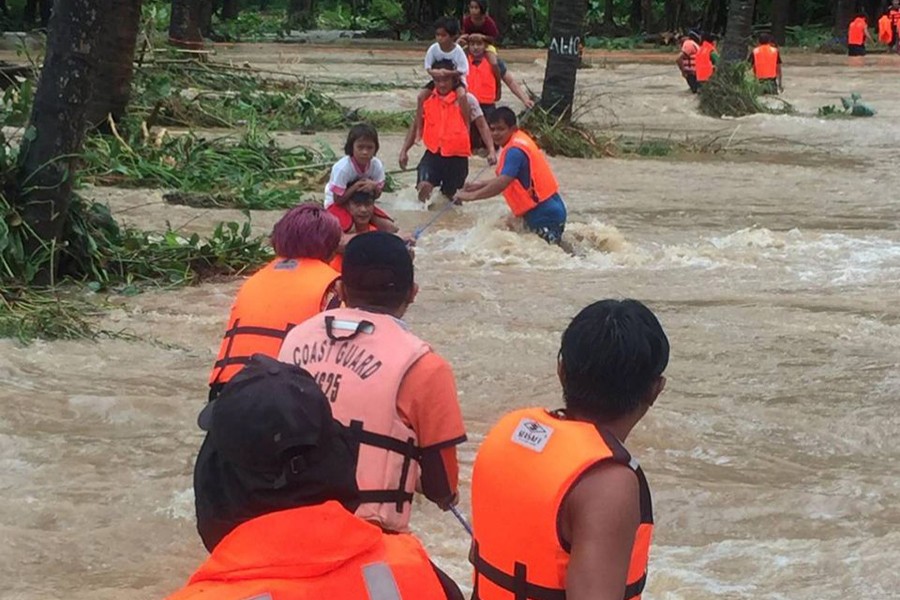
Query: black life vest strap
[[236, 330], [517, 584], [408, 449]]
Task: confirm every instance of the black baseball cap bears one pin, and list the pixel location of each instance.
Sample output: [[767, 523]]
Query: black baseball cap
[[377, 262], [270, 418]]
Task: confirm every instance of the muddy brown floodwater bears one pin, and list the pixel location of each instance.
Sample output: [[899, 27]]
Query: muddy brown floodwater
[[774, 267]]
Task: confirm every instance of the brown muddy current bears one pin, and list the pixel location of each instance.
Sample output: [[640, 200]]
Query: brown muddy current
[[774, 268]]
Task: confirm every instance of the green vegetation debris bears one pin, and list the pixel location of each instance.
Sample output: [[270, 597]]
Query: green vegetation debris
[[557, 135], [249, 171], [850, 107], [733, 91]]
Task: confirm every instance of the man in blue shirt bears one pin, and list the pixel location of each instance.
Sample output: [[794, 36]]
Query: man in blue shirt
[[524, 178]]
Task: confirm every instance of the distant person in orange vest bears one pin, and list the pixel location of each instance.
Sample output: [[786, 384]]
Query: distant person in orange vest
[[560, 509], [857, 34], [290, 289], [894, 16], [766, 62], [686, 61], [525, 179], [446, 136], [395, 393], [484, 77], [707, 58], [275, 491], [885, 29]]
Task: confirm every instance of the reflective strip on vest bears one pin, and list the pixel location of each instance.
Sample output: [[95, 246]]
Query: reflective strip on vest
[[380, 582], [688, 63], [482, 81], [765, 61], [532, 459], [444, 131], [359, 359], [543, 183]]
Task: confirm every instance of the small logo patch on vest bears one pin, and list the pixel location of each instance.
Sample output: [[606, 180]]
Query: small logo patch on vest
[[532, 435]]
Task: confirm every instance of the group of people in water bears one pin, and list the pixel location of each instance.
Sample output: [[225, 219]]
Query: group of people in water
[[699, 55], [327, 414]]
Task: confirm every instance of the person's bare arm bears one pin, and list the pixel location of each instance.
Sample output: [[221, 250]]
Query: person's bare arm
[[517, 90], [490, 188], [599, 518], [410, 137], [485, 132], [778, 79], [341, 199]]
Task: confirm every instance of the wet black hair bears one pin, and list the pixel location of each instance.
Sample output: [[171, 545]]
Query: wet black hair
[[447, 65], [612, 353], [360, 196], [361, 131], [481, 4], [766, 38], [505, 114], [448, 24]]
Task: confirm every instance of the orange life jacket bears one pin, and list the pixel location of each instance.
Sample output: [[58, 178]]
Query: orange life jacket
[[523, 471], [689, 62], [885, 30], [359, 359], [337, 263], [543, 181], [283, 293], [856, 33], [894, 15], [765, 61], [705, 67], [310, 553], [444, 130], [482, 81]]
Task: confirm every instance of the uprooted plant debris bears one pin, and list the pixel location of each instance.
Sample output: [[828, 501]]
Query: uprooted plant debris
[[186, 93], [734, 92], [559, 135], [247, 171]]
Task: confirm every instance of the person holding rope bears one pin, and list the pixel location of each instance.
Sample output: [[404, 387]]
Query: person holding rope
[[525, 179], [560, 509], [275, 490], [397, 395]]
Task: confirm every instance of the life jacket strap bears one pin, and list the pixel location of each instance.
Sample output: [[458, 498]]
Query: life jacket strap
[[517, 583], [408, 449]]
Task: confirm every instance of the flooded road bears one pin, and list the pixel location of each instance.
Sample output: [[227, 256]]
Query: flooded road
[[774, 268]]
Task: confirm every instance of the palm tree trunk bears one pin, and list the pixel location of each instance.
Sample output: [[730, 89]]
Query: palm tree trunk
[[301, 13], [843, 14], [781, 10], [115, 62], [230, 9], [608, 13], [184, 24], [56, 129], [563, 55], [738, 30]]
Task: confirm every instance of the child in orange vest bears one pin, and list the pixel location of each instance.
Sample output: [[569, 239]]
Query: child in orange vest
[[358, 171], [361, 209], [446, 135], [857, 34]]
